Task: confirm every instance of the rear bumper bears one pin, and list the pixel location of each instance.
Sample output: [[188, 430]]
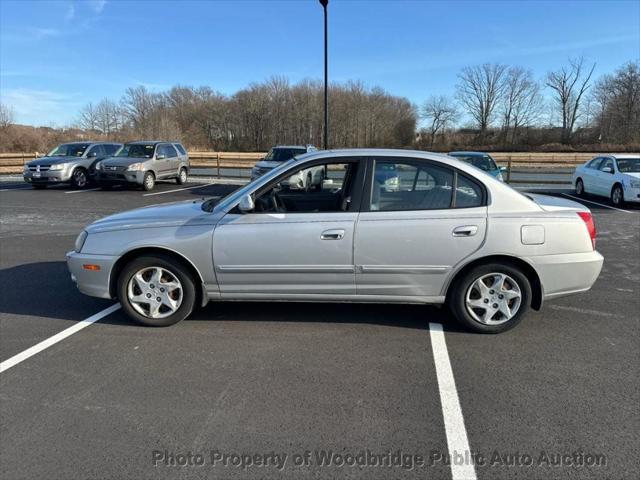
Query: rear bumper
[[94, 283], [567, 273]]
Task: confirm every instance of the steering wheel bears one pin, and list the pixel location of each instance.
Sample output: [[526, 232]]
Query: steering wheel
[[276, 201]]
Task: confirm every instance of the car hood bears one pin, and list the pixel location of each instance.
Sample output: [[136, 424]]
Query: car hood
[[123, 161], [175, 214], [557, 204], [266, 164], [52, 160], [633, 175]]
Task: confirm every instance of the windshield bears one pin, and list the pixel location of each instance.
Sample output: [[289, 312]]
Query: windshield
[[629, 165], [136, 150], [283, 154], [69, 150], [483, 162], [233, 197]]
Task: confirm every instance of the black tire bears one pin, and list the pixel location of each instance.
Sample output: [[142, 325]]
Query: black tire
[[149, 181], [617, 195], [579, 187], [38, 187], [182, 177], [457, 298], [177, 269], [79, 178]]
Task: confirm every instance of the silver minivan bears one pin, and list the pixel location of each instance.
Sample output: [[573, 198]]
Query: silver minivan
[[143, 163], [72, 163]]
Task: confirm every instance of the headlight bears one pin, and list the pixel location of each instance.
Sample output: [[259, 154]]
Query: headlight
[[25, 168], [57, 166], [80, 241], [98, 166], [633, 183], [136, 166], [500, 177]]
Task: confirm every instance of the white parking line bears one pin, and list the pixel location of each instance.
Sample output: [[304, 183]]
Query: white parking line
[[457, 441], [596, 203], [82, 191], [175, 190], [30, 352]]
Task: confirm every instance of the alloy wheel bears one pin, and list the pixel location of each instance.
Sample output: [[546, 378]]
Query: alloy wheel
[[80, 178], [493, 299], [155, 292]]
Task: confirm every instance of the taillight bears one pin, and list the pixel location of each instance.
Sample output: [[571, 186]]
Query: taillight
[[591, 227]]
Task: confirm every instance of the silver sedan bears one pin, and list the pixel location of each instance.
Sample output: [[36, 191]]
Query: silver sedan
[[443, 233]]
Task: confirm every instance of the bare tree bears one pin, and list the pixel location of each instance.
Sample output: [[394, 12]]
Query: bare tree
[[569, 85], [6, 116], [521, 102], [440, 112], [480, 89], [88, 117]]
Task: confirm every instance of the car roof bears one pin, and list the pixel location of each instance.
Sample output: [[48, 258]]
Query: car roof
[[471, 154], [149, 142], [622, 155], [304, 147]]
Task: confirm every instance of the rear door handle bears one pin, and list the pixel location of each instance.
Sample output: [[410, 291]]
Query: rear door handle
[[337, 234], [465, 231]]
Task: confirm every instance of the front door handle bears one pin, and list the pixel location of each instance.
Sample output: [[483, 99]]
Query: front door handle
[[465, 231], [337, 234]]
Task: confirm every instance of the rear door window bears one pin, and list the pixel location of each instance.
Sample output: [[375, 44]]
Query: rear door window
[[180, 148]]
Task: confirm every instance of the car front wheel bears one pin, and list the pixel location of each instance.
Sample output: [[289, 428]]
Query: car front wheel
[[181, 179], [491, 298], [156, 291], [79, 178], [149, 181], [617, 196]]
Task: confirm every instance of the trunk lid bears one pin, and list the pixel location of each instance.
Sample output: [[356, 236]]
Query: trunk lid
[[557, 204]]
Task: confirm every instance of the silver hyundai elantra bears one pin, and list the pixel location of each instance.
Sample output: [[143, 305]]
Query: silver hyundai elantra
[[442, 232]]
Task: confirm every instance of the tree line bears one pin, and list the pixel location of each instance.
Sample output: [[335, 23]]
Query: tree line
[[495, 106]]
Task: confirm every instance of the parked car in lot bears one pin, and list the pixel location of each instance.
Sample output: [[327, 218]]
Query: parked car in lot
[[144, 163], [448, 234], [483, 161], [72, 163], [306, 180], [614, 176]]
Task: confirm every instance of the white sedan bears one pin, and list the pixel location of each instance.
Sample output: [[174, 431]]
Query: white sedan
[[613, 176]]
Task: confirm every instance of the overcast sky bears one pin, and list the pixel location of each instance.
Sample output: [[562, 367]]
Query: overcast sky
[[57, 56]]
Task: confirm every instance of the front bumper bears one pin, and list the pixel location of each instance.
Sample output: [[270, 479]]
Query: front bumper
[[48, 177], [631, 194], [566, 274], [94, 283], [125, 176]]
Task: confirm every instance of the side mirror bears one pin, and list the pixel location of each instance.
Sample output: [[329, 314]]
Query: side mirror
[[246, 204], [503, 169], [92, 154], [160, 157], [607, 170]]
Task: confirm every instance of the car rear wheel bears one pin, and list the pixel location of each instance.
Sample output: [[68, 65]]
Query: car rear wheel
[[79, 178], [491, 298], [156, 291], [617, 196], [149, 181], [579, 187], [181, 179]]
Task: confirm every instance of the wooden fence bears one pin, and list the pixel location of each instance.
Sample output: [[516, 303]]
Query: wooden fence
[[515, 162]]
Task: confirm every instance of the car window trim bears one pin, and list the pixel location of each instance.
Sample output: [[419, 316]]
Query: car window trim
[[357, 189], [365, 205]]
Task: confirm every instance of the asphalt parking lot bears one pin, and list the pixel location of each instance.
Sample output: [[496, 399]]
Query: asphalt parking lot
[[274, 381]]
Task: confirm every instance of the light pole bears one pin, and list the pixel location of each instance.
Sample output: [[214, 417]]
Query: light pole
[[324, 4]]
